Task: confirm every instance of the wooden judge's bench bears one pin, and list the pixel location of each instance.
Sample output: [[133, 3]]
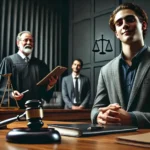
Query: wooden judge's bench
[[52, 114]]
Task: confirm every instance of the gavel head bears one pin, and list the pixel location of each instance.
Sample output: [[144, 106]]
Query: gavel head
[[34, 114]]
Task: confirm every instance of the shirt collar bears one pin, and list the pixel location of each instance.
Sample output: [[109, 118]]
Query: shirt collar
[[137, 58], [23, 56], [78, 76], [139, 54]]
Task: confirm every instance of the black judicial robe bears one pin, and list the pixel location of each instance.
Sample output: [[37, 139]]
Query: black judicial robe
[[24, 76]]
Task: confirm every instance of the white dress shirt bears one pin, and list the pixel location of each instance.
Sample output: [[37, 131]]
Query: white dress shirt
[[79, 84]]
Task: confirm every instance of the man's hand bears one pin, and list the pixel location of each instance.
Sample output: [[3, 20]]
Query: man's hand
[[52, 82], [108, 115], [124, 117], [17, 95], [77, 107], [113, 114]]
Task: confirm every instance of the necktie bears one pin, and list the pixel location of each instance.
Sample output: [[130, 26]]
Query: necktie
[[76, 90], [26, 59]]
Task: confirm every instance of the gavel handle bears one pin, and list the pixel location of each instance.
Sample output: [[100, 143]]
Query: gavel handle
[[10, 120]]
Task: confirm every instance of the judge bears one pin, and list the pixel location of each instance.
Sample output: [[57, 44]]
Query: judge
[[26, 71]]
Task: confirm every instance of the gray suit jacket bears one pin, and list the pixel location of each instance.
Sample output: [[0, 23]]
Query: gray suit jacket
[[109, 90], [68, 91]]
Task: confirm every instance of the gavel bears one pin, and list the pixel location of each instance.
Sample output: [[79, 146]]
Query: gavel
[[33, 114], [34, 133]]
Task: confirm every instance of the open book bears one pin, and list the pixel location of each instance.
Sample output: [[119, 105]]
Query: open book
[[141, 140], [79, 130], [57, 72]]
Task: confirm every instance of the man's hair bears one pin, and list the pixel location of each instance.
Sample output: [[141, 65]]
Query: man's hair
[[78, 59], [20, 34], [141, 14]]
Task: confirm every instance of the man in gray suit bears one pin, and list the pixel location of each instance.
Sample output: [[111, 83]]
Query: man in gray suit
[[76, 90], [123, 90]]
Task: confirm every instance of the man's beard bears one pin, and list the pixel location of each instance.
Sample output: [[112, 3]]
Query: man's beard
[[27, 49]]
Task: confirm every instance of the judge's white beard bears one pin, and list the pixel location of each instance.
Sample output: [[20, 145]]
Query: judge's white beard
[[27, 50]]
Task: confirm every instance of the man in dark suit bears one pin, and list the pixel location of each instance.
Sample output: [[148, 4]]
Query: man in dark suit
[[76, 90], [123, 90]]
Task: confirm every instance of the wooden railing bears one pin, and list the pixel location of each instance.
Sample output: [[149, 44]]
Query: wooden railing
[[52, 114]]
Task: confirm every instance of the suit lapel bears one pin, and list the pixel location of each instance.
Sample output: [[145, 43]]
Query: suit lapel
[[81, 83], [117, 80], [140, 75], [71, 84]]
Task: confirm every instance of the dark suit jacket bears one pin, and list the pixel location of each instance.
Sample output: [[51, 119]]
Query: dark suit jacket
[[68, 91], [109, 90]]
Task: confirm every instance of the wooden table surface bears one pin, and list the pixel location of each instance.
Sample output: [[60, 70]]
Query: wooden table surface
[[101, 142]]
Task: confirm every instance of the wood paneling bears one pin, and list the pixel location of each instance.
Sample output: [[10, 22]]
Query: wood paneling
[[102, 6], [103, 33], [81, 9], [52, 114], [86, 72], [81, 41]]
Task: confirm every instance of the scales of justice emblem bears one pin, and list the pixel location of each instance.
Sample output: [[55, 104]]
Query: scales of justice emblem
[[8, 88], [102, 51]]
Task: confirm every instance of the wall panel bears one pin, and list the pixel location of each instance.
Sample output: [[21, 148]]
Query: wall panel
[[81, 41], [81, 9], [106, 39], [105, 5], [86, 72]]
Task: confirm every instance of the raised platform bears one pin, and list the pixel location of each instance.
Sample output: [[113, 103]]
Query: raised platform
[[52, 114]]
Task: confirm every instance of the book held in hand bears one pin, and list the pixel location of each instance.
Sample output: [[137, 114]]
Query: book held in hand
[[140, 140], [78, 130], [57, 72]]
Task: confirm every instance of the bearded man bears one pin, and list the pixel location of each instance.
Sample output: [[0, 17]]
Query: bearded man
[[26, 71]]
